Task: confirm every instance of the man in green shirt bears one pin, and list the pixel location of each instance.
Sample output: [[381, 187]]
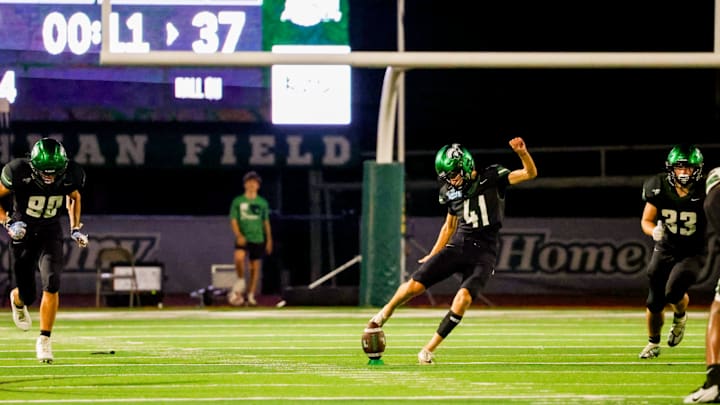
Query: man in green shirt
[[249, 219]]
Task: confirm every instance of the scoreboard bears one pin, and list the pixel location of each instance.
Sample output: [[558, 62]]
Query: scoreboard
[[49, 56]]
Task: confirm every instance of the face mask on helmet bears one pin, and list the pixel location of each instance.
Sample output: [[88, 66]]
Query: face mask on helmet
[[48, 160], [688, 160], [453, 160]]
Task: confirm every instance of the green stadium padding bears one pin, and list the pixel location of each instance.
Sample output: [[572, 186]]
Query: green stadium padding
[[382, 210]]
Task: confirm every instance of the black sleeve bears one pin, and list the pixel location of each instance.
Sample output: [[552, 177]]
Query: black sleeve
[[12, 172], [75, 175], [652, 189]]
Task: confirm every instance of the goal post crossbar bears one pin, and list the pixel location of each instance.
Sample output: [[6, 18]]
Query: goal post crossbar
[[409, 60], [425, 60]]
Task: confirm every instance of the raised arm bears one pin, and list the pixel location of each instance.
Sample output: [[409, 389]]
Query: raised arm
[[528, 171]]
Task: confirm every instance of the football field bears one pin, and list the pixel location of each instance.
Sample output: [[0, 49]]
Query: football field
[[314, 355]]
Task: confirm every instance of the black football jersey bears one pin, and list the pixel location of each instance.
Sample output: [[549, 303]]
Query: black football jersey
[[683, 217], [480, 205], [35, 202]]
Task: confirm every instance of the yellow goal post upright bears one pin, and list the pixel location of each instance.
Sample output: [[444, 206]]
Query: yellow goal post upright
[[383, 179]]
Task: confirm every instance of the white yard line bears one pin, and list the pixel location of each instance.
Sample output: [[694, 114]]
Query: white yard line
[[364, 398], [353, 312]]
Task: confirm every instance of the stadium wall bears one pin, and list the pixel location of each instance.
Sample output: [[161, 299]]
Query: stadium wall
[[538, 256], [563, 256]]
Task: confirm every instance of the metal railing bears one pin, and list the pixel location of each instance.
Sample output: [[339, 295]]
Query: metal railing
[[561, 167]]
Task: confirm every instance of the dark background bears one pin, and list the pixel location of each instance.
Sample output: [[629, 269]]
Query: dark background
[[549, 106], [484, 108], [481, 108]]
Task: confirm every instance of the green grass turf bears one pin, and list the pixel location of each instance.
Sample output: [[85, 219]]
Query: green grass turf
[[313, 355]]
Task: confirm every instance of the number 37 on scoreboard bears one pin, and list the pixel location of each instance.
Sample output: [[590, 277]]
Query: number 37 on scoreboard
[[209, 37]]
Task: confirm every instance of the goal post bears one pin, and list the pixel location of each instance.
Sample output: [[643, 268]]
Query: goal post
[[383, 179]]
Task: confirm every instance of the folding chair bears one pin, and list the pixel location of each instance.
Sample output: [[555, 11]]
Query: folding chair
[[106, 277]]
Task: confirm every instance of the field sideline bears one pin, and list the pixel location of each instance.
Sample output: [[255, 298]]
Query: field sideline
[[313, 355]]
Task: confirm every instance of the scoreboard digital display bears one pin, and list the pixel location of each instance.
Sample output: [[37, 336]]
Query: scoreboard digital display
[[49, 53]]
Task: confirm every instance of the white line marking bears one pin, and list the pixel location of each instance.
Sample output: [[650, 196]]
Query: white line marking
[[367, 398]]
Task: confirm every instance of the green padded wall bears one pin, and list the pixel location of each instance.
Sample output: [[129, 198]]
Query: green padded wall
[[382, 215]]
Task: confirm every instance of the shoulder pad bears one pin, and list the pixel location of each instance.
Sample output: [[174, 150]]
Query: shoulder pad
[[75, 175], [495, 170], [448, 194], [14, 169], [712, 180], [652, 187]]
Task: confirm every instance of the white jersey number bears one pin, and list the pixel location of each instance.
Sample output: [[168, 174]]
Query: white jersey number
[[682, 224], [38, 209], [470, 215]]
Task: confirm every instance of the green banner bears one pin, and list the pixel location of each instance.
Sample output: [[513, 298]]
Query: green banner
[[296, 22]]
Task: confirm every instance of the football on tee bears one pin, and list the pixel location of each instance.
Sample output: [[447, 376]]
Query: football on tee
[[373, 341]]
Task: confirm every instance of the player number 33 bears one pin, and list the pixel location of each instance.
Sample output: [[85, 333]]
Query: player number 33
[[682, 223]]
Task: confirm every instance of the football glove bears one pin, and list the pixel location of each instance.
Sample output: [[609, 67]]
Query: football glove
[[80, 238], [16, 229], [658, 231]]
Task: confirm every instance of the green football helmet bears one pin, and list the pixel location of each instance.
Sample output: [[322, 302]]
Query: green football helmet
[[453, 159], [48, 160], [684, 156]]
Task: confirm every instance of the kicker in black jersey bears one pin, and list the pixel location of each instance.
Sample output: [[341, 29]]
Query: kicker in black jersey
[[467, 244]]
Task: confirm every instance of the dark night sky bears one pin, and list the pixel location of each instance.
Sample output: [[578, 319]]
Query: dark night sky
[[547, 107]]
